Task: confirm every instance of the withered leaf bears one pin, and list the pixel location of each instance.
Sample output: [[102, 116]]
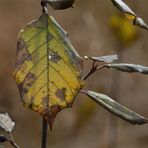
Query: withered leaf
[[6, 123], [129, 67], [106, 59], [116, 108]]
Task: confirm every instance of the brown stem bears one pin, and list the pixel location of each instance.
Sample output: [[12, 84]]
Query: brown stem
[[44, 133], [12, 142], [93, 69], [44, 6]]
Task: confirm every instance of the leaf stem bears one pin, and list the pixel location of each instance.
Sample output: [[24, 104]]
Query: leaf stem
[[93, 69], [44, 6], [44, 133], [12, 142]]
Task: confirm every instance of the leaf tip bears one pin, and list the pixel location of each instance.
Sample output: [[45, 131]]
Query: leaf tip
[[140, 22], [142, 121], [51, 115]]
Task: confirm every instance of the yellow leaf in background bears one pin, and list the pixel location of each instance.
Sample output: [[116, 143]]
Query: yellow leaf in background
[[129, 13], [123, 30], [48, 70]]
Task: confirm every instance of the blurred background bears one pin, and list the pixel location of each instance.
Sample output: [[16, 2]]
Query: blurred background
[[96, 28]]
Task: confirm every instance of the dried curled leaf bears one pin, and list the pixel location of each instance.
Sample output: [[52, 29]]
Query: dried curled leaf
[[124, 8], [6, 123], [106, 59], [116, 108], [60, 4], [48, 69], [129, 67]]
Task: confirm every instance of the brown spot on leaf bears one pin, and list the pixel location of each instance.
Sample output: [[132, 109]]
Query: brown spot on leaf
[[23, 90], [30, 75], [61, 93], [22, 53], [50, 36], [20, 44], [24, 87], [29, 80], [54, 57], [53, 112], [50, 115]]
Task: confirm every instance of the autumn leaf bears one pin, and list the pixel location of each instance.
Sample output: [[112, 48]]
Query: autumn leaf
[[48, 70]]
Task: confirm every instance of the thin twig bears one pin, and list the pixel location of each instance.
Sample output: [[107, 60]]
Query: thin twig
[[11, 136], [12, 142], [44, 6], [44, 133], [100, 67], [93, 69]]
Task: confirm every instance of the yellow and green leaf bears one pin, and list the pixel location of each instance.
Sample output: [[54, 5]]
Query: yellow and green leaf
[[48, 70]]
